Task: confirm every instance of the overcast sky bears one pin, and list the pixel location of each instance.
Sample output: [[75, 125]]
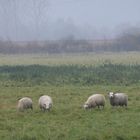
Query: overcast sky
[[55, 19], [99, 13]]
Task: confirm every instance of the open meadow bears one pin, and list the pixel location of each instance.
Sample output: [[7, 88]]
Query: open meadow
[[71, 59], [69, 80]]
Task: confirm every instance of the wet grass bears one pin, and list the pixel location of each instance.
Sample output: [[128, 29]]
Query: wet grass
[[69, 85], [68, 120], [106, 74], [94, 59]]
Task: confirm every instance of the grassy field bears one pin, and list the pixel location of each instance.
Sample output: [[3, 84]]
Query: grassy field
[[69, 82], [67, 59]]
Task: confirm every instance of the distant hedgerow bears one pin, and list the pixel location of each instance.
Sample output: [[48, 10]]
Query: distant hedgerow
[[113, 74]]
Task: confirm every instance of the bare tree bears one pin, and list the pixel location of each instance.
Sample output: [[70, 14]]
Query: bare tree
[[4, 8], [40, 12], [16, 12]]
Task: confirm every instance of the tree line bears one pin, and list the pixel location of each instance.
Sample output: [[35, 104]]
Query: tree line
[[125, 42]]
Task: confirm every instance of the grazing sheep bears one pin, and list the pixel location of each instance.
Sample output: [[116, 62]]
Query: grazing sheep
[[25, 103], [45, 102], [118, 99], [95, 100]]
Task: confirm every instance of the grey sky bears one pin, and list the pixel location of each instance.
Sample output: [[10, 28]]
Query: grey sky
[[109, 13], [60, 18]]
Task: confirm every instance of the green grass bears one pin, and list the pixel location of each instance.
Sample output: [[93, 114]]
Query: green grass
[[68, 120], [94, 59], [69, 85], [106, 74]]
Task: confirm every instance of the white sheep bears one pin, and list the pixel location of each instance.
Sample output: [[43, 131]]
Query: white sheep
[[95, 100], [25, 103], [118, 99], [45, 102]]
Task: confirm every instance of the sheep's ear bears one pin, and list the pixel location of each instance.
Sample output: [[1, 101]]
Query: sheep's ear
[[19, 98], [50, 105]]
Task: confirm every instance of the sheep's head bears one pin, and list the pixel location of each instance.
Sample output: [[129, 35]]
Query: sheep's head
[[86, 106], [47, 106], [111, 94]]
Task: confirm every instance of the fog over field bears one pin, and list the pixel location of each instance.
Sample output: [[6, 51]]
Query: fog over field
[[69, 50], [69, 26], [60, 19]]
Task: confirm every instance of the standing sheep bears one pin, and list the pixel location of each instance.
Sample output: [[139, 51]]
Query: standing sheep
[[45, 102], [25, 103], [118, 99], [95, 100]]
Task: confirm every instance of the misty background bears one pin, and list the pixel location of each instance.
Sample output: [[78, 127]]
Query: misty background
[[69, 25]]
